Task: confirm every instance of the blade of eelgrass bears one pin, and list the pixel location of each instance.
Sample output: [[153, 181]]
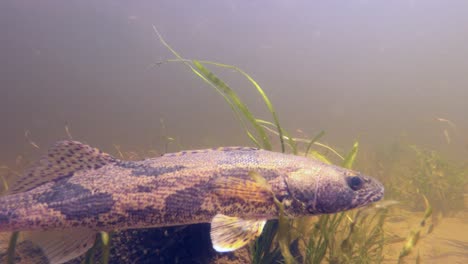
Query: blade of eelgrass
[[263, 251], [12, 247], [284, 134], [284, 235], [259, 89], [414, 236], [302, 140], [315, 252], [268, 104], [279, 131], [284, 240], [319, 241], [291, 142], [262, 93], [105, 240], [320, 157], [89, 257], [349, 160], [5, 184], [225, 89], [201, 76], [315, 139]]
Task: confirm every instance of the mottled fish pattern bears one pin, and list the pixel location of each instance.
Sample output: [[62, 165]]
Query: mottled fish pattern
[[76, 187]]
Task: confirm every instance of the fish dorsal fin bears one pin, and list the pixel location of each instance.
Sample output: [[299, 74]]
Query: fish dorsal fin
[[55, 246], [61, 161], [230, 233]]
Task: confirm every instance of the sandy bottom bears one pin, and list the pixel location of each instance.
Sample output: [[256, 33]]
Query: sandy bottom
[[447, 243]]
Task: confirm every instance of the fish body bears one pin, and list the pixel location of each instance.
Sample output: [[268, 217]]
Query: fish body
[[76, 187]]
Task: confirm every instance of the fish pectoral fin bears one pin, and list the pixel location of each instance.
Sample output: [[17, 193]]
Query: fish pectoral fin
[[227, 188], [61, 161], [54, 247], [230, 233]]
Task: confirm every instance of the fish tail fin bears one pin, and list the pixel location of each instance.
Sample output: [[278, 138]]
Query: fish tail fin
[[50, 246], [60, 163]]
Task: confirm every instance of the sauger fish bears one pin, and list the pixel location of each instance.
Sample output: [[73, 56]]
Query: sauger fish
[[75, 191]]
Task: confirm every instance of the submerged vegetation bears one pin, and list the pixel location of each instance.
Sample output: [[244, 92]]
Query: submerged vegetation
[[415, 173], [419, 179], [349, 237]]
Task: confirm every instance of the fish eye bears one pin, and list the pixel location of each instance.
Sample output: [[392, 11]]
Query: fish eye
[[355, 182]]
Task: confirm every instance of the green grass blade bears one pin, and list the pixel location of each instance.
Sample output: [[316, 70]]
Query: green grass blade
[[315, 139], [12, 247], [89, 257], [263, 251], [332, 150], [284, 239], [349, 160], [167, 45], [262, 93], [268, 104], [302, 140], [223, 87], [320, 157], [105, 240], [201, 76], [290, 140], [5, 186]]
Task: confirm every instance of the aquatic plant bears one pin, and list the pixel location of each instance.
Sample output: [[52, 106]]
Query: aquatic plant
[[352, 237], [441, 181], [364, 240], [241, 111], [12, 247], [100, 250], [410, 172], [415, 234]]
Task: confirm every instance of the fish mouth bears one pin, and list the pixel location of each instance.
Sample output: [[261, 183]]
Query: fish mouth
[[373, 193], [378, 192]]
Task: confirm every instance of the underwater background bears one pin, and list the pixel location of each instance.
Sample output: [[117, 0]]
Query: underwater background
[[390, 75]]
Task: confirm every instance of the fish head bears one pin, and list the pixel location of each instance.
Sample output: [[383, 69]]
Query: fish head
[[325, 189]]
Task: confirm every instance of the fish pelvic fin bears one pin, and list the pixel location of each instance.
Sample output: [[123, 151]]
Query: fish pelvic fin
[[61, 161], [230, 233]]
